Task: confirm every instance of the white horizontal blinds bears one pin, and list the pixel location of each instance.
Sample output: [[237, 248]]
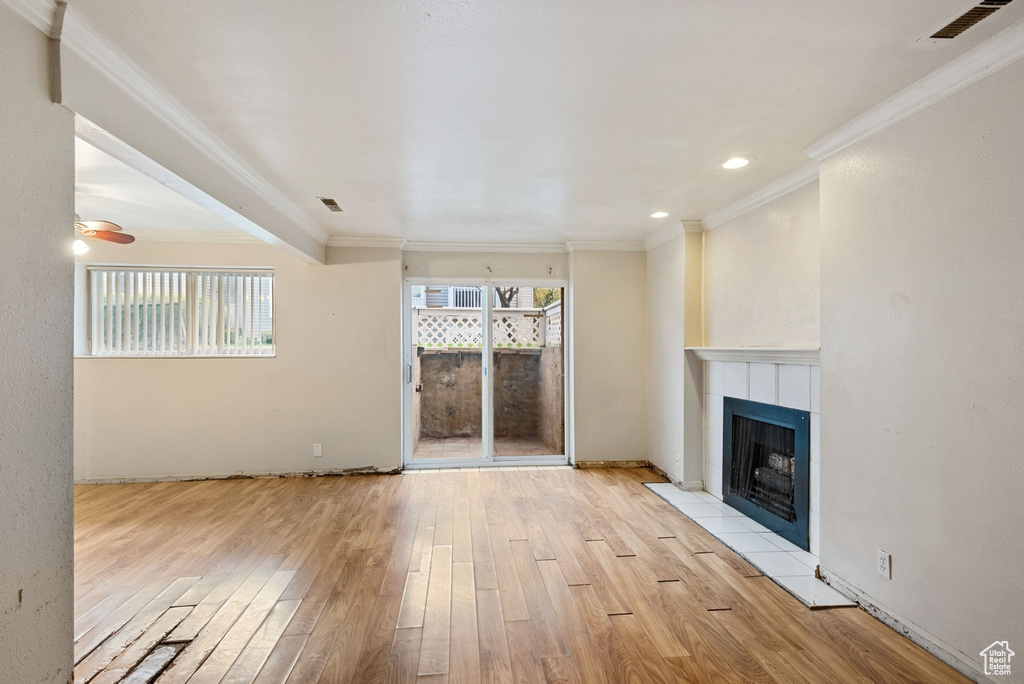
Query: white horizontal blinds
[[164, 312]]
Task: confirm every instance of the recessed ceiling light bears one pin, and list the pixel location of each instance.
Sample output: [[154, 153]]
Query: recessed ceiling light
[[80, 247], [659, 214], [735, 163]]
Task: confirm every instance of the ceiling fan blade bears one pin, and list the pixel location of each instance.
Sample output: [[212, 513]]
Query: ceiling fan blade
[[97, 225], [111, 236]]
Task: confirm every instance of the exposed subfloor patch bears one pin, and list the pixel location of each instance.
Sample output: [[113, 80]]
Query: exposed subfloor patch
[[784, 562]]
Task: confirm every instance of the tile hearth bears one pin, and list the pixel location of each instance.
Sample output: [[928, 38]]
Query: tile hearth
[[785, 563]]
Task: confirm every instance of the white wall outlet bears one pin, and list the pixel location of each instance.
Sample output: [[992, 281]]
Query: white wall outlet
[[883, 563], [318, 451]]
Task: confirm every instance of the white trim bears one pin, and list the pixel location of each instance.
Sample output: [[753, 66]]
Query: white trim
[[383, 242], [795, 355], [39, 13], [128, 155], [663, 236], [598, 246], [998, 51], [929, 642], [768, 193], [101, 54], [455, 464], [516, 248]]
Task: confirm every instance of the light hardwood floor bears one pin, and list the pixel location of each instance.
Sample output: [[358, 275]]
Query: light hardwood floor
[[489, 576]]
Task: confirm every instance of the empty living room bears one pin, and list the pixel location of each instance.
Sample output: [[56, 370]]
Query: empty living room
[[444, 342]]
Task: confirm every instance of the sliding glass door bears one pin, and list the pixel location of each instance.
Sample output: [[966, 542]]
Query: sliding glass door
[[483, 394], [529, 416]]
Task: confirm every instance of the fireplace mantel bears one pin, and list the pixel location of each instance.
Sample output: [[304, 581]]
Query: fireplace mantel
[[808, 356]]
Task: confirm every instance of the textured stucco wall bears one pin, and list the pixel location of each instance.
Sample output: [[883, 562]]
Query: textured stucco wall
[[36, 509], [922, 365]]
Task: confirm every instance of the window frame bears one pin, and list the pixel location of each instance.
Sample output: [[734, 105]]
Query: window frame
[[191, 318]]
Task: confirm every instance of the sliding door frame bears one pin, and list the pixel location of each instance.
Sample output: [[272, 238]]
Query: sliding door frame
[[487, 457]]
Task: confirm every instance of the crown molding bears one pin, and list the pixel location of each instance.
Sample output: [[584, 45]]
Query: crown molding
[[381, 242], [101, 54], [598, 246], [998, 51], [663, 236], [516, 248], [768, 193], [39, 13]]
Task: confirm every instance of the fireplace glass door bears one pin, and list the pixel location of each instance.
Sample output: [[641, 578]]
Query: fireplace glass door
[[766, 459]]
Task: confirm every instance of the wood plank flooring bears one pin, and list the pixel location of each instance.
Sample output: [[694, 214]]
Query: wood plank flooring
[[536, 575]]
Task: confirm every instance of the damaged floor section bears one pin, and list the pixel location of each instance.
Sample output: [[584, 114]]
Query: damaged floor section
[[495, 574]]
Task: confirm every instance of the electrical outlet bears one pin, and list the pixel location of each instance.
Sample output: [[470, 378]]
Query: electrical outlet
[[883, 563], [318, 451]]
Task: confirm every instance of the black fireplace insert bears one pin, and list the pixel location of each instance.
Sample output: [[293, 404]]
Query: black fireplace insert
[[766, 466]]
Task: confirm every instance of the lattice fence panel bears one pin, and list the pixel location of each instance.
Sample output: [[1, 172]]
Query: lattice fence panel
[[554, 329], [449, 330]]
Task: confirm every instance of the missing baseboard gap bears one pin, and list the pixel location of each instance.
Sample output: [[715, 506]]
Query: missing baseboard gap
[[686, 486], [340, 472], [586, 465], [944, 652], [699, 553]]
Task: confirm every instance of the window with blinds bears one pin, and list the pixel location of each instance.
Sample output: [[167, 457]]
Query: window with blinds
[[143, 311]]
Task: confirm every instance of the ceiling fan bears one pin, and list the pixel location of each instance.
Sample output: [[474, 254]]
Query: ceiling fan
[[102, 230]]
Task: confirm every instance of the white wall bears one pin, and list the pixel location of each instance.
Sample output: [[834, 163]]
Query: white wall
[[762, 275], [610, 352], [674, 305], [36, 510], [335, 380], [922, 366]]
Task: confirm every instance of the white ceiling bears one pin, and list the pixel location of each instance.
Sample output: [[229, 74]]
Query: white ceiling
[[494, 121], [108, 189]]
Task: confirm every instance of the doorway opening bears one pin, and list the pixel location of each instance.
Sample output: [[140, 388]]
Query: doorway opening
[[481, 394]]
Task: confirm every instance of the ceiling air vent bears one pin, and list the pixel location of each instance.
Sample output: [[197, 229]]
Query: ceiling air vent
[[330, 204], [970, 18]]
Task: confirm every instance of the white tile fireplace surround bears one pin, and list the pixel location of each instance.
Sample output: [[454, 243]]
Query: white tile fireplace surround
[[780, 377], [791, 382]]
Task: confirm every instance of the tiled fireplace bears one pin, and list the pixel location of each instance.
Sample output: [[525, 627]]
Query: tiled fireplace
[[771, 378], [792, 385]]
